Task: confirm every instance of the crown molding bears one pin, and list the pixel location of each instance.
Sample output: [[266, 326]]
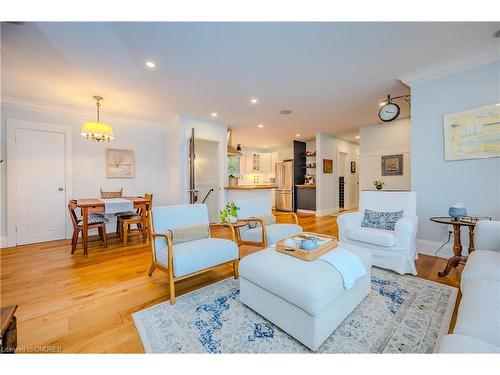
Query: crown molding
[[466, 62], [76, 111]]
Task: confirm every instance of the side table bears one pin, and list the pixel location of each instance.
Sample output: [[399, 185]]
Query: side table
[[457, 258]]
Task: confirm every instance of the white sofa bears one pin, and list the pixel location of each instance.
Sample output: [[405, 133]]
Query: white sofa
[[391, 249], [477, 329]]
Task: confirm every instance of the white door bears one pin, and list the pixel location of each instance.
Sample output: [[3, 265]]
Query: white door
[[41, 206]]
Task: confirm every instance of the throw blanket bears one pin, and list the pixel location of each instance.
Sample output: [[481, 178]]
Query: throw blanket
[[114, 205], [348, 264]]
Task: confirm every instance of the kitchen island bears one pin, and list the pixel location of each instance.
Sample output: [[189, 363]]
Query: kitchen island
[[266, 192]]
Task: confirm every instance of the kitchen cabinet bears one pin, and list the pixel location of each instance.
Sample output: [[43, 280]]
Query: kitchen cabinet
[[265, 162]]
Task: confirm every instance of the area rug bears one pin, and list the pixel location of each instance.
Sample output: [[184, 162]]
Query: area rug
[[401, 314]]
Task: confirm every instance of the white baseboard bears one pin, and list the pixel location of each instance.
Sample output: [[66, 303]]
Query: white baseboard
[[306, 211], [429, 248], [3, 242], [328, 211]]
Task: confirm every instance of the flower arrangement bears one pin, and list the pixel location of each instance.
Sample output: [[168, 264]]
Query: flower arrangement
[[379, 184], [229, 214]]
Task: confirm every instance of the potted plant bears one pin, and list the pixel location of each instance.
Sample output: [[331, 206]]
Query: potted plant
[[229, 214], [379, 184]]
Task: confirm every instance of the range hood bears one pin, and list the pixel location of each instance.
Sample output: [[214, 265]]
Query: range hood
[[231, 151]]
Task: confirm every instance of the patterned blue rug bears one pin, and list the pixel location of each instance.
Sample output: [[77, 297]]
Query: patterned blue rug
[[401, 314]]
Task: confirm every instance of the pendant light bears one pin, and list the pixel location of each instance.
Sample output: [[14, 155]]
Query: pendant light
[[97, 131]]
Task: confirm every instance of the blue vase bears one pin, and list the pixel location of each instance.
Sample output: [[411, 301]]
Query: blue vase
[[457, 212]]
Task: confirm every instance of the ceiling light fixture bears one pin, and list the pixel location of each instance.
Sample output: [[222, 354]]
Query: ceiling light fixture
[[297, 135], [357, 137], [150, 64], [260, 126], [214, 114], [97, 131], [266, 146], [253, 100]]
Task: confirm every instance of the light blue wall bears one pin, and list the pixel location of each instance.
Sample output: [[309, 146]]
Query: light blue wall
[[439, 184]]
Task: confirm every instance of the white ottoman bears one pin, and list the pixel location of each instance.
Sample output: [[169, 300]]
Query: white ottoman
[[305, 299]]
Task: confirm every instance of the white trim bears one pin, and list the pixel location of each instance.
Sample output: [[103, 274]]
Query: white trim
[[327, 211], [3, 242], [12, 126], [306, 211], [39, 106], [466, 62], [429, 248]]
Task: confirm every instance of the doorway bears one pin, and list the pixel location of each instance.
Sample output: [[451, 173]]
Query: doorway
[[38, 184], [206, 175]]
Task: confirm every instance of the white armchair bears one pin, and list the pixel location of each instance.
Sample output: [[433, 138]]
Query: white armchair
[[391, 249], [264, 231], [182, 246]]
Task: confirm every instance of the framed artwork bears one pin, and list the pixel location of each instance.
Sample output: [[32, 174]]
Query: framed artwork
[[327, 166], [392, 165], [119, 163], [353, 167], [472, 134]]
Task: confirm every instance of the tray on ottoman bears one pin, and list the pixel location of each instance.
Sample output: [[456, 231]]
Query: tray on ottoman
[[326, 243]]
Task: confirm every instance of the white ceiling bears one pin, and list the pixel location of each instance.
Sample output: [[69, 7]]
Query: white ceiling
[[332, 75]]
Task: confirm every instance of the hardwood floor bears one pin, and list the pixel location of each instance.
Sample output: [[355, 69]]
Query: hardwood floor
[[76, 304]]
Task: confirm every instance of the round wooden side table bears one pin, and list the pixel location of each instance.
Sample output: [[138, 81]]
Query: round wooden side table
[[457, 258]]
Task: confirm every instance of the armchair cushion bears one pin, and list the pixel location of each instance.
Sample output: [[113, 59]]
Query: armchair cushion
[[488, 235], [198, 255], [381, 220], [481, 265], [275, 232], [374, 236], [268, 220]]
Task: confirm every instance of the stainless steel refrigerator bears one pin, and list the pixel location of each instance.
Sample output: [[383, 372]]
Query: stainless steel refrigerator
[[284, 183]]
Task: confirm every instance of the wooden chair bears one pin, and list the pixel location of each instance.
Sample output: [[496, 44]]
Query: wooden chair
[[95, 221], [126, 221]]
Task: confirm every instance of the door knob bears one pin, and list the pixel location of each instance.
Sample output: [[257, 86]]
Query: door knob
[[60, 189]]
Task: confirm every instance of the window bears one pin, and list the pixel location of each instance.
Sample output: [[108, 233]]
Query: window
[[233, 166]]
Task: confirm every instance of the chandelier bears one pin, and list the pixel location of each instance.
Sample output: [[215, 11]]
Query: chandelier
[[97, 131]]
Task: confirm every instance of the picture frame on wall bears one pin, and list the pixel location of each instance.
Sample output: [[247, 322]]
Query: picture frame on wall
[[392, 165], [353, 167], [120, 163], [472, 134], [327, 166]]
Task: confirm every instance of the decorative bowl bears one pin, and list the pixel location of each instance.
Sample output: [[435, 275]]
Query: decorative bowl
[[309, 244], [457, 212]]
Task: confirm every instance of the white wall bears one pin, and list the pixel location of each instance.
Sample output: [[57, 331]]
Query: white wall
[[441, 183], [327, 199], [147, 141], [377, 140]]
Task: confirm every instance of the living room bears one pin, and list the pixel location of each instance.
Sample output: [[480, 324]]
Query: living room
[[208, 187]]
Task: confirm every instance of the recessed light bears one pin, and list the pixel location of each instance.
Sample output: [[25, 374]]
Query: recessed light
[[214, 114], [260, 126], [297, 135], [266, 146], [357, 137], [150, 64], [253, 100]]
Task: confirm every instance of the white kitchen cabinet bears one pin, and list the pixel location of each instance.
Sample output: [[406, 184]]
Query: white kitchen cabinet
[[274, 160], [265, 162]]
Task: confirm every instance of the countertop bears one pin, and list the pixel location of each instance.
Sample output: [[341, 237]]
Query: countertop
[[251, 187], [306, 186]]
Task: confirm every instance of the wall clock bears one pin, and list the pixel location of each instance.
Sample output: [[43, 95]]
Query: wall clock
[[389, 112]]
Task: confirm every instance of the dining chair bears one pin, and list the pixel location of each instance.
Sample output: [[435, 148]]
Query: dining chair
[[111, 194], [125, 222], [95, 221]]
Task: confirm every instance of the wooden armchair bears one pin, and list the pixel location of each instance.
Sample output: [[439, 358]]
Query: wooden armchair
[[262, 229], [182, 245]]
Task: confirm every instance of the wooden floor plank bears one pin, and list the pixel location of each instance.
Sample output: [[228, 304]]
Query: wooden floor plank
[[84, 305]]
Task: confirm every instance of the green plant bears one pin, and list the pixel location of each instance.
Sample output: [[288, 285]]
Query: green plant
[[231, 210]]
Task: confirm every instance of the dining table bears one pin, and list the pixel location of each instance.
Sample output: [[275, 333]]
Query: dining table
[[96, 205]]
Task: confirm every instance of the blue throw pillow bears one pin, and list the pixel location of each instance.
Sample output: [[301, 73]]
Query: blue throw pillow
[[381, 220]]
